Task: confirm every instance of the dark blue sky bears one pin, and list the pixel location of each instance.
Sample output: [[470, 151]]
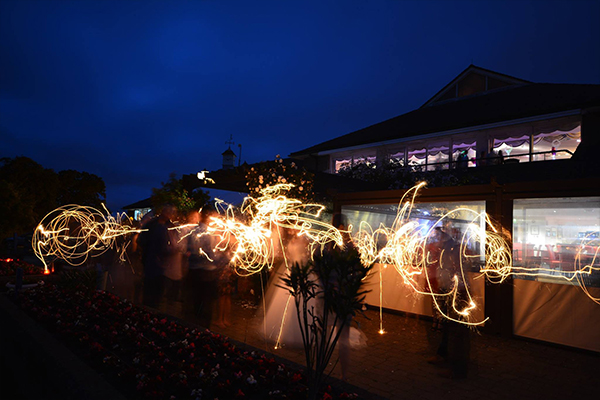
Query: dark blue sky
[[134, 90]]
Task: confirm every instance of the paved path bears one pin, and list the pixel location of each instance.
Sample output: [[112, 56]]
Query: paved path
[[394, 365]]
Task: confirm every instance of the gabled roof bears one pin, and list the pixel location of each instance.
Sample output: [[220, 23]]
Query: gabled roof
[[506, 104], [472, 71], [146, 203]]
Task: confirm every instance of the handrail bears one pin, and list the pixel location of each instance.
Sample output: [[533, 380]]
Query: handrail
[[492, 159]]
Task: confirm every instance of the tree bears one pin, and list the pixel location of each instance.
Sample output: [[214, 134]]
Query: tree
[[173, 192], [28, 192], [269, 173], [81, 188]]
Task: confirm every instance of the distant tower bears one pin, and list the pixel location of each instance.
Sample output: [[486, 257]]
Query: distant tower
[[228, 155]]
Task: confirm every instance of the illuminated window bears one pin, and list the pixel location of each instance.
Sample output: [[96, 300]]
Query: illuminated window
[[556, 145], [557, 237]]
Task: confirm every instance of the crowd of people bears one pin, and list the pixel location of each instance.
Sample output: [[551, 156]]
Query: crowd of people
[[180, 268]]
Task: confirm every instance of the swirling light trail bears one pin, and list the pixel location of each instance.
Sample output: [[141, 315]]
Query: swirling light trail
[[74, 233]]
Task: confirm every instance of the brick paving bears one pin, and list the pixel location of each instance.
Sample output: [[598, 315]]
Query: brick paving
[[394, 366]]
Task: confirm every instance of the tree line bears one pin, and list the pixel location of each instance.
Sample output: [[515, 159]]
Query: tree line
[[28, 191]]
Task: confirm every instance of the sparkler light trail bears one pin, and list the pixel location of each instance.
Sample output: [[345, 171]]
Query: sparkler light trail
[[73, 233], [409, 251], [254, 242], [252, 235], [585, 263]]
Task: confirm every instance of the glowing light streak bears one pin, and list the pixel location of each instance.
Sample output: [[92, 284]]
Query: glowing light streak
[[581, 268], [252, 242], [74, 233], [405, 247]]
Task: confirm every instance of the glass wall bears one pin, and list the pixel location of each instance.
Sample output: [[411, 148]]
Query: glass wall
[[394, 292], [541, 141], [397, 157], [555, 237], [438, 157], [460, 215], [341, 163], [555, 145], [464, 152], [515, 148], [417, 155]]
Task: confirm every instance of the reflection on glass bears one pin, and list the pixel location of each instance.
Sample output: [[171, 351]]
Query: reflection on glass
[[427, 215], [513, 148], [556, 145], [342, 163], [417, 156], [397, 158], [437, 158], [559, 235]]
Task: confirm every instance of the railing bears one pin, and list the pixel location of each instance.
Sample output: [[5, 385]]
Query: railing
[[494, 160]]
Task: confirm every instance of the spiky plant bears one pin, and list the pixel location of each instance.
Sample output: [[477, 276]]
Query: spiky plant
[[327, 293]]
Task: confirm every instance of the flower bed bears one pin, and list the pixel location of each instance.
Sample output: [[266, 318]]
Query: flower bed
[[147, 356], [8, 267]]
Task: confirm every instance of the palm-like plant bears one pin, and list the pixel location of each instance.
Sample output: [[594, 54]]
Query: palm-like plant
[[327, 292]]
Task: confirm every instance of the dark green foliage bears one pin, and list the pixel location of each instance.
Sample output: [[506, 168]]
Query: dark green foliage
[[327, 292], [81, 188], [29, 191], [173, 192]]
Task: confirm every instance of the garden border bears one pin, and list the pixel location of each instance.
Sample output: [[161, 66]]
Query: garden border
[[40, 366]]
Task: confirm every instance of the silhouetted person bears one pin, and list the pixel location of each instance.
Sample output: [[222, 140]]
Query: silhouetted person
[[156, 248], [203, 274], [339, 222], [462, 161], [454, 347], [174, 268], [226, 285]]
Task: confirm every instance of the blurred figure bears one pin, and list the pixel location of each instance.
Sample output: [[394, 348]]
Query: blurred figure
[[454, 349], [279, 305], [156, 247], [226, 286], [201, 281], [339, 221], [462, 161], [433, 250], [174, 270]]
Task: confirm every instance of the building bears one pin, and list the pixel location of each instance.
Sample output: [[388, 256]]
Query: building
[[535, 147]]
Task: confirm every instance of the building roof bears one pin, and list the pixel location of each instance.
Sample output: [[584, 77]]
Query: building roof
[[505, 104], [146, 203], [473, 70]]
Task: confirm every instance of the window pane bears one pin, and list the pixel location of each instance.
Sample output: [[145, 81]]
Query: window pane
[[553, 238], [398, 158], [427, 215], [469, 146], [513, 148], [342, 163], [437, 157], [416, 156], [556, 145]]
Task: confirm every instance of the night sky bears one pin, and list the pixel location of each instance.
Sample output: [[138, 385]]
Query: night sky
[[134, 90]]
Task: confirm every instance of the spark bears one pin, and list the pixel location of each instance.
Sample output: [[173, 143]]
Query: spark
[[74, 233]]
